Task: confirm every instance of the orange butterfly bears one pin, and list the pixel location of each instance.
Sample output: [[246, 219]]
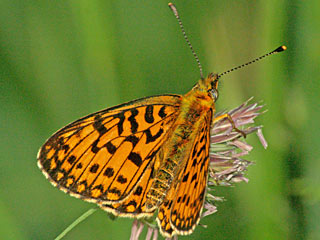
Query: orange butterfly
[[140, 157]]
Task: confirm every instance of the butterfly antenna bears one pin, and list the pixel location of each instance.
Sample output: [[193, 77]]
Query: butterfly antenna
[[175, 12], [279, 49]]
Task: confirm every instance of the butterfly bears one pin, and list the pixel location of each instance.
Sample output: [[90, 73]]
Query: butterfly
[[145, 155], [142, 157]]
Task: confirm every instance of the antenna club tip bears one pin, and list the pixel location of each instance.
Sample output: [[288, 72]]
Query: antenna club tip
[[173, 8], [281, 48]]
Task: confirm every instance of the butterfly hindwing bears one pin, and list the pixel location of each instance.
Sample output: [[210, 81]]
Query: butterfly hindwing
[[102, 157], [181, 209]]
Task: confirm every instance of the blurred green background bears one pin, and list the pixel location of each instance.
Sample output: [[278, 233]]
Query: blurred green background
[[61, 60]]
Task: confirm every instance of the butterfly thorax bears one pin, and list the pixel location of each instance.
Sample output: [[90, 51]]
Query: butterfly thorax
[[194, 110]]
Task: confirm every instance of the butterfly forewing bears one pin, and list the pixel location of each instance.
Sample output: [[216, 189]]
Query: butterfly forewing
[[102, 157], [134, 206]]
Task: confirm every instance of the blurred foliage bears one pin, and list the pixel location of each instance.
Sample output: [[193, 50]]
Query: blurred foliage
[[60, 60]]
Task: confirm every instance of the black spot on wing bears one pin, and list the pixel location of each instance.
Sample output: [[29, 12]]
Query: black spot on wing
[[135, 158], [133, 139], [110, 147], [71, 159], [100, 187], [132, 203], [115, 191], [166, 203], [132, 120], [94, 147], [121, 118], [138, 191], [188, 199], [202, 194], [203, 148], [202, 138], [185, 178], [194, 177], [108, 172], [121, 179], [184, 198], [98, 125], [204, 162], [94, 168], [162, 112], [151, 138], [194, 151], [124, 207], [194, 163], [66, 148], [148, 116], [79, 166]]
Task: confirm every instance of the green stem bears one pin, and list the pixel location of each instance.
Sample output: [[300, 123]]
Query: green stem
[[76, 222]]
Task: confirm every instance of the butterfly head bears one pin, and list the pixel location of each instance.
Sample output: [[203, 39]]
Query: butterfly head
[[210, 85]]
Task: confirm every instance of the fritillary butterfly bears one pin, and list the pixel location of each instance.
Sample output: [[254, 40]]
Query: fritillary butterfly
[[141, 157]]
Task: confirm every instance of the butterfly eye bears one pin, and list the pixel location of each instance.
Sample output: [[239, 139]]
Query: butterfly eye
[[214, 93]]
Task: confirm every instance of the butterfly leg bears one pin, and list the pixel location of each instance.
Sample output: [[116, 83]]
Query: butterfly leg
[[227, 116]]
